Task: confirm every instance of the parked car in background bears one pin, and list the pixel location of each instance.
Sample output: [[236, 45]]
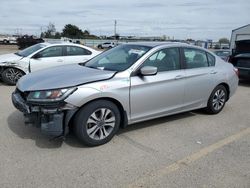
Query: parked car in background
[[240, 58], [41, 56], [127, 84], [8, 39], [106, 45], [223, 54], [26, 41]]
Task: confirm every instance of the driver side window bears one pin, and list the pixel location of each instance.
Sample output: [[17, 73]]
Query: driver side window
[[54, 51], [165, 60]]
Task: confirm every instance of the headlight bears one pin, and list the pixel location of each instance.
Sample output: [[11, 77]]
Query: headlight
[[50, 95]]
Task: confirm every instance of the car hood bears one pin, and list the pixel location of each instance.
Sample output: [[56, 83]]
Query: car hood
[[9, 58], [62, 77]]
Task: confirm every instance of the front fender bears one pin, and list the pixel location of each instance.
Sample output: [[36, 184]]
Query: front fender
[[84, 95], [17, 65]]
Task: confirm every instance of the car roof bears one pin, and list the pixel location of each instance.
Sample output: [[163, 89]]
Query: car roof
[[68, 44], [155, 44]]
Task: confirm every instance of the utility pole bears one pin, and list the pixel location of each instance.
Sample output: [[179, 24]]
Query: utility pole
[[115, 28]]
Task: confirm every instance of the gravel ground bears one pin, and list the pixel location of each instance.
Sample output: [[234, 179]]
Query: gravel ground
[[191, 149]]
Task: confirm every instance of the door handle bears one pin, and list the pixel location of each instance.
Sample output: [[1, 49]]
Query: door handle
[[213, 72], [179, 77], [59, 60]]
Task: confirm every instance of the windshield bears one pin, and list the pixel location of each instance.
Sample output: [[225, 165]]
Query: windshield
[[119, 58], [27, 51]]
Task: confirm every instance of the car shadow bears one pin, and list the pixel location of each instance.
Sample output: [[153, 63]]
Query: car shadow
[[157, 121], [245, 82], [16, 125], [2, 83]]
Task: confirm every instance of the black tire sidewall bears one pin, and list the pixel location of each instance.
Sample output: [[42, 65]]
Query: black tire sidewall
[[82, 116], [210, 109]]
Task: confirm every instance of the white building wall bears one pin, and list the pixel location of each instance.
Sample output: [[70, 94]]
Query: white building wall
[[242, 33]]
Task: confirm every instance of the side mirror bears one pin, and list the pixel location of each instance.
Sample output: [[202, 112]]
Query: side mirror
[[37, 56], [148, 71]]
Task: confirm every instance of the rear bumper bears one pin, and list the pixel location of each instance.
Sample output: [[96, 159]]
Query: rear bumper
[[52, 120], [244, 72]]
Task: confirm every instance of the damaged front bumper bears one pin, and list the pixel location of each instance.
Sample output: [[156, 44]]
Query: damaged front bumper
[[53, 118]]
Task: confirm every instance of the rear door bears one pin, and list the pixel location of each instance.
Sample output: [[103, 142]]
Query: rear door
[[76, 54], [157, 95], [199, 75], [49, 57]]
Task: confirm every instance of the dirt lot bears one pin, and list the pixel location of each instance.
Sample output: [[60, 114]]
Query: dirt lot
[[4, 49], [192, 149]]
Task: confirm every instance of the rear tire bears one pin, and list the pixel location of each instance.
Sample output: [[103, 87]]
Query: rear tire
[[97, 122], [217, 100], [11, 75]]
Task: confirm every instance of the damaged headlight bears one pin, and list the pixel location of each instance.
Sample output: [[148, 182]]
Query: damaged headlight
[[50, 95]]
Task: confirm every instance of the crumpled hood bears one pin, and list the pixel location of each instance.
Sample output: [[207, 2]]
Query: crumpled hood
[[62, 77], [9, 58]]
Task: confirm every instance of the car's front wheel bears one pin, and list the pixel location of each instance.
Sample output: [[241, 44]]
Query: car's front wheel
[[11, 75], [217, 100], [97, 122]]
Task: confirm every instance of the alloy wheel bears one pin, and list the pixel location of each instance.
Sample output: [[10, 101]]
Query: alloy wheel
[[219, 99], [13, 74], [100, 123]]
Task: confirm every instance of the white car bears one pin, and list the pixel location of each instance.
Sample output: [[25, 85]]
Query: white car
[[106, 45], [41, 56]]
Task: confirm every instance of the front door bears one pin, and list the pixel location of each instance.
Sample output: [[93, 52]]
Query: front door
[[49, 57], [160, 94]]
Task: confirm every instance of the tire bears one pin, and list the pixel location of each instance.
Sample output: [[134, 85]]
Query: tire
[[97, 122], [5, 42], [217, 100], [11, 75]]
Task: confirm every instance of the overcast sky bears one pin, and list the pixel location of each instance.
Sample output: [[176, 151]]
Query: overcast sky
[[197, 19]]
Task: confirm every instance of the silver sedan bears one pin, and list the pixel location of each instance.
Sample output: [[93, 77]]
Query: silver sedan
[[124, 85]]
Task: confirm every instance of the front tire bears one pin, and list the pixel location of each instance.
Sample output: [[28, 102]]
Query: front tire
[[97, 122], [217, 100], [11, 75]]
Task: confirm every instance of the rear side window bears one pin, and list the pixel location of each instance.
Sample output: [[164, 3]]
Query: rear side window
[[74, 50], [195, 58], [211, 59]]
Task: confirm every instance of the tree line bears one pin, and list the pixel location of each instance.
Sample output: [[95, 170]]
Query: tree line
[[69, 31]]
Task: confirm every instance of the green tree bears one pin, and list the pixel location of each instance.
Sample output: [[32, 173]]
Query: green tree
[[86, 32], [57, 35], [50, 32], [223, 41], [72, 31]]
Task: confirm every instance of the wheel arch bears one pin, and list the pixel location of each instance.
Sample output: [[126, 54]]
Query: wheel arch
[[2, 68], [227, 88], [123, 113]]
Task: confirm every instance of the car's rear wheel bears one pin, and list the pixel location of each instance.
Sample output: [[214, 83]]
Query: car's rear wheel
[[11, 75], [217, 100], [97, 122]]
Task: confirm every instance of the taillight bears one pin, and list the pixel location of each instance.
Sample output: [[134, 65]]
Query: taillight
[[236, 71]]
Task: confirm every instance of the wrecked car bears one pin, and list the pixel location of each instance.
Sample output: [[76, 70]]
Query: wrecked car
[[40, 56], [127, 84]]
